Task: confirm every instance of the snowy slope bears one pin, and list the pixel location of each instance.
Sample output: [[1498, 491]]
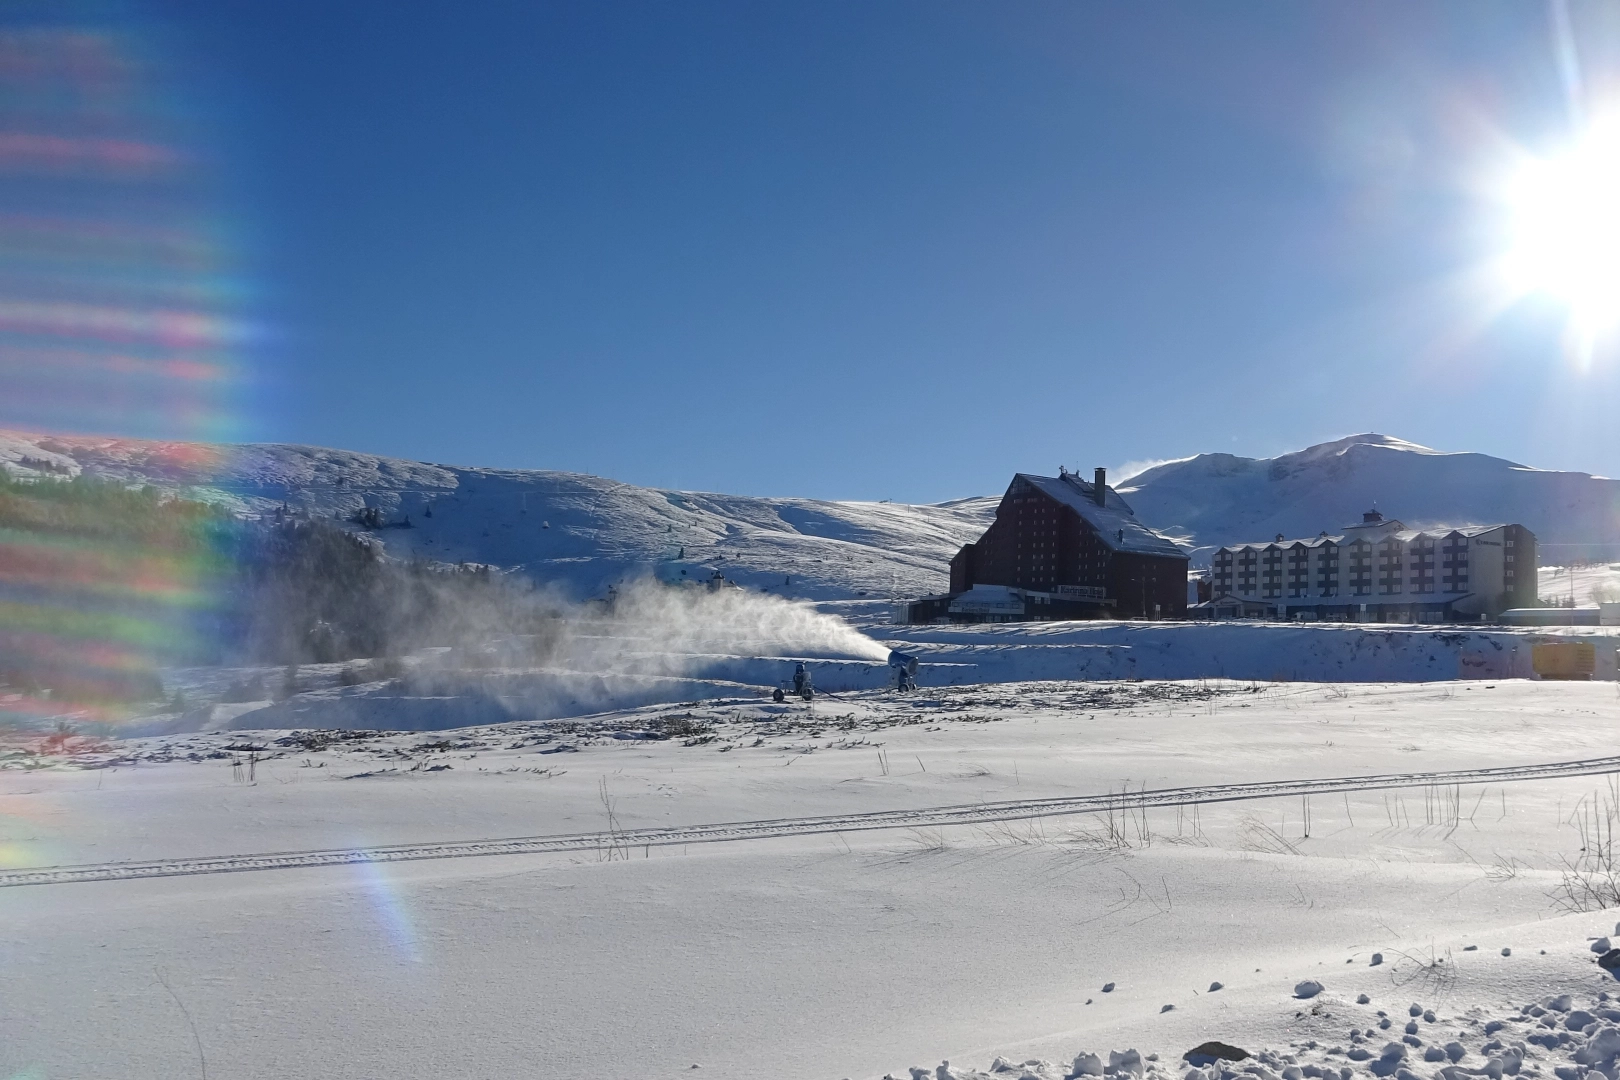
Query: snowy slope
[[1219, 499], [585, 532], [576, 531]]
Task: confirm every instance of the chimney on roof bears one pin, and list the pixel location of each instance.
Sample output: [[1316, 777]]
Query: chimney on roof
[[1099, 484]]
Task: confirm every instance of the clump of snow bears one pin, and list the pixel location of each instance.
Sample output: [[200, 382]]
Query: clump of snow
[[1086, 1064], [1125, 1062]]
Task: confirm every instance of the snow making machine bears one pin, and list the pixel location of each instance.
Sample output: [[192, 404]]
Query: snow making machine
[[902, 671], [799, 685]]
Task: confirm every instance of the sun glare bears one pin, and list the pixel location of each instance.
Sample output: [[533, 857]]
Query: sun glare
[[1566, 230]]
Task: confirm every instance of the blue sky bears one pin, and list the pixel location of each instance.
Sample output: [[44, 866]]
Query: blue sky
[[888, 250]]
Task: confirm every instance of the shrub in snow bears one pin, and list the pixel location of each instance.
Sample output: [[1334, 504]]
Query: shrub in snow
[[1308, 988]]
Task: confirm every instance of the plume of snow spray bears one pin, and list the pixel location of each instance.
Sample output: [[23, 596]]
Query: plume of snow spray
[[649, 618], [652, 644], [650, 629]]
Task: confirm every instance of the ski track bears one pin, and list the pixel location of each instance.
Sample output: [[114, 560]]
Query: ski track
[[969, 814]]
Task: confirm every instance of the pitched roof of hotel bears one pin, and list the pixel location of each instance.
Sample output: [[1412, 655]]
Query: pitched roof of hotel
[[1399, 533], [1115, 522]]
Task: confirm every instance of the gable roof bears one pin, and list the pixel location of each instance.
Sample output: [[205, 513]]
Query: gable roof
[[1115, 522], [1346, 539]]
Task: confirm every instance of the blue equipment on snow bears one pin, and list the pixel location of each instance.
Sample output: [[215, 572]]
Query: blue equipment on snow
[[902, 671]]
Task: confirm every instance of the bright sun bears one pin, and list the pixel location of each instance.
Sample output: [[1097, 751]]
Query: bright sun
[[1566, 230]]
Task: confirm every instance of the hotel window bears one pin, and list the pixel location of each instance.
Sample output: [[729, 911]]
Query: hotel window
[[1455, 565], [1422, 560]]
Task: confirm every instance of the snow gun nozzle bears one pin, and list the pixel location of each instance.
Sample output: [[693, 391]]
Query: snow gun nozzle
[[904, 661]]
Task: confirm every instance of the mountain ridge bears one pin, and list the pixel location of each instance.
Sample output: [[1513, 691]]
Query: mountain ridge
[[1215, 499], [584, 533]]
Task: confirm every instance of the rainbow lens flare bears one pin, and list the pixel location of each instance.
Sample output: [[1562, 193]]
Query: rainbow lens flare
[[118, 314]]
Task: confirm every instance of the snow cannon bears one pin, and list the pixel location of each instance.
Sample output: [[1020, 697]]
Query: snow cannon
[[902, 671], [800, 684]]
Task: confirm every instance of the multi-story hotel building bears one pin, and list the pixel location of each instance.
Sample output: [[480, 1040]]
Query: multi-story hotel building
[[1381, 571]]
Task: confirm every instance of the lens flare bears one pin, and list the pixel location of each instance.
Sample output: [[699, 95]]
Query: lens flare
[[119, 313], [1566, 230], [389, 908]]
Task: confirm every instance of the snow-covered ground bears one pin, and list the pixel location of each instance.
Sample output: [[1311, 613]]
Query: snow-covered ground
[[849, 954], [1586, 583], [885, 898]]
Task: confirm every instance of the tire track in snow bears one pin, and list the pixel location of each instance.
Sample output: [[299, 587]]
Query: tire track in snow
[[966, 814]]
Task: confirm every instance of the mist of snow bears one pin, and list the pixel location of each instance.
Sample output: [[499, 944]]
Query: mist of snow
[[687, 621]]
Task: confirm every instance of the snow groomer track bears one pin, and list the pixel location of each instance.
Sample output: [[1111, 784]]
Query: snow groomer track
[[975, 813]]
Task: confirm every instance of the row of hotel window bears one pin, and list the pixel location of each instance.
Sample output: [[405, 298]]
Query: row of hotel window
[[1255, 571]]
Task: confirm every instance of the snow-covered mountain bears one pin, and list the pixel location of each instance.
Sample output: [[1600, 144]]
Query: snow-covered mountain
[[1215, 499], [579, 532], [585, 532]]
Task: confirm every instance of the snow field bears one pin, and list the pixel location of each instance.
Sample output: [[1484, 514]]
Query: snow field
[[726, 760], [817, 956]]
